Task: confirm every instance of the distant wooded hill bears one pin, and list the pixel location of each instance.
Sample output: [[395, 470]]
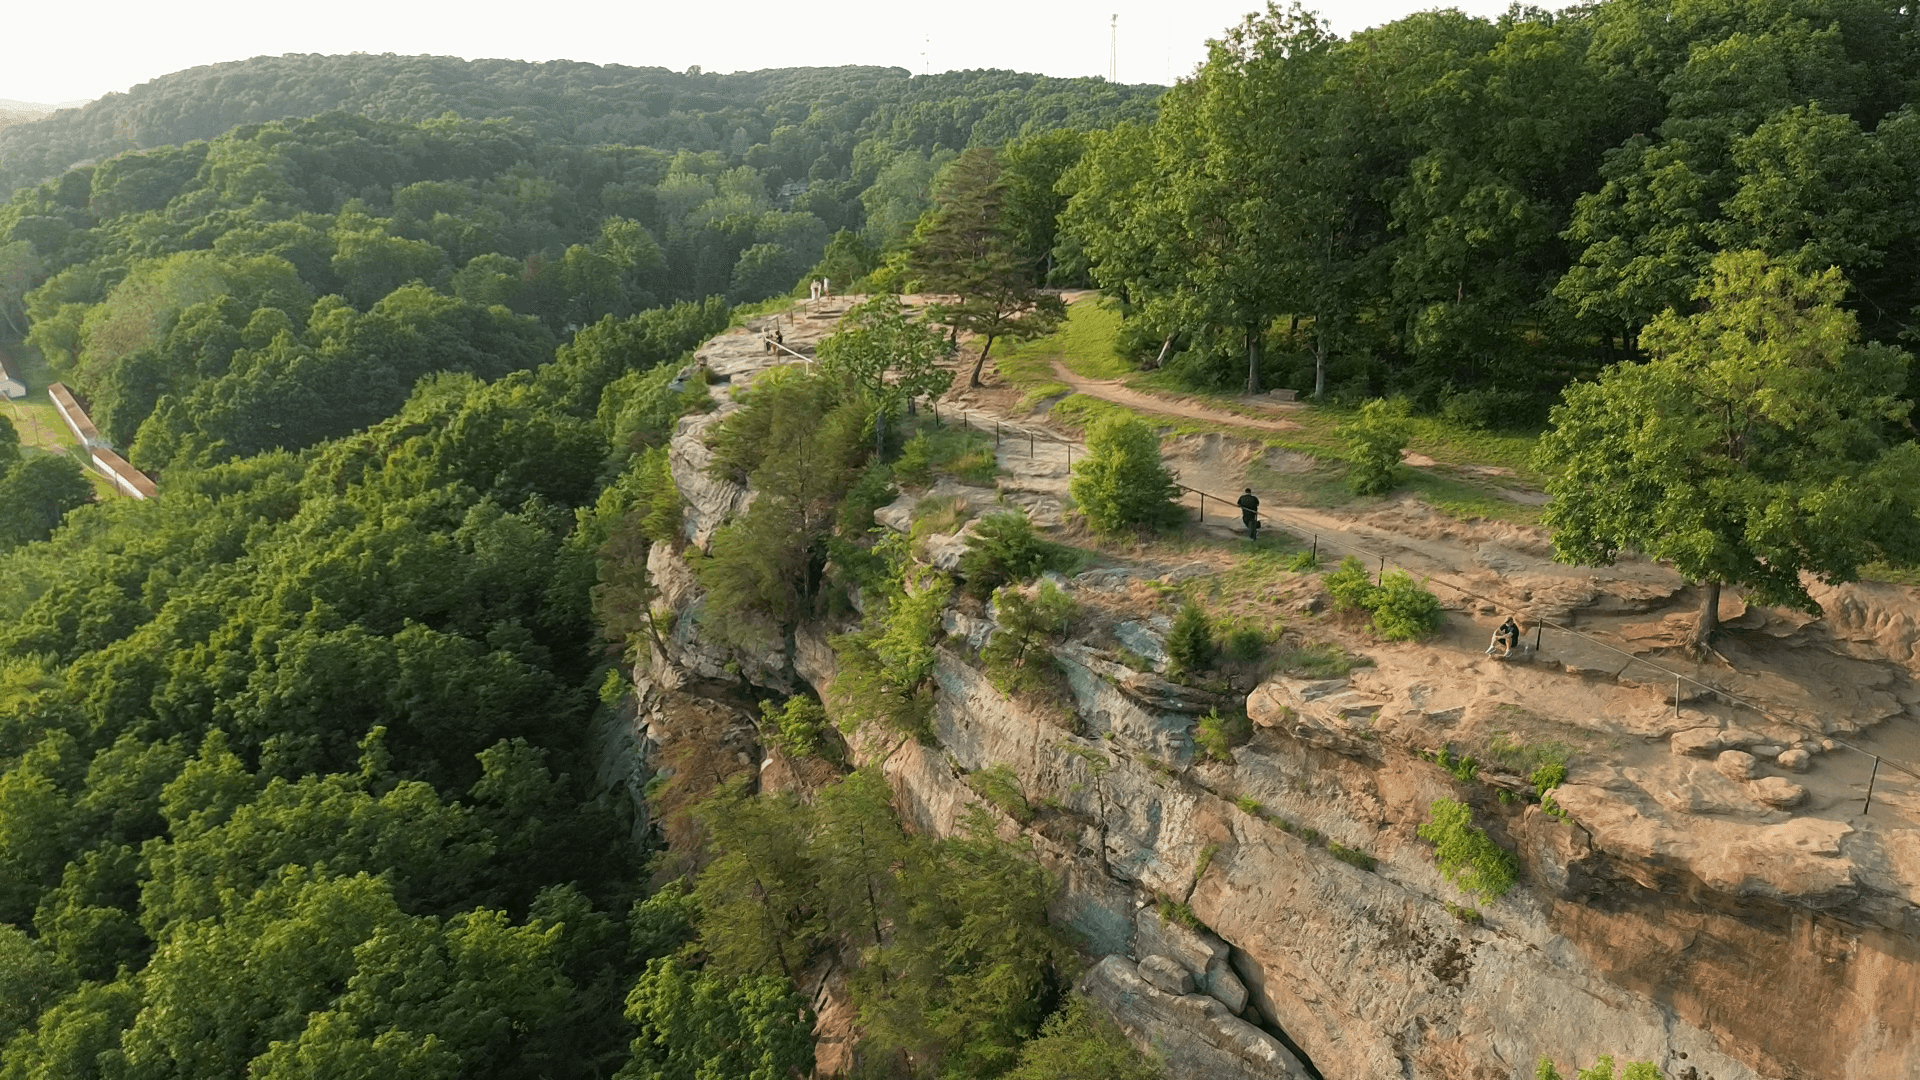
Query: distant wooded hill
[[826, 112]]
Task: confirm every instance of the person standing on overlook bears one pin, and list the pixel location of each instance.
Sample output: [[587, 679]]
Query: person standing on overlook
[[1250, 514]]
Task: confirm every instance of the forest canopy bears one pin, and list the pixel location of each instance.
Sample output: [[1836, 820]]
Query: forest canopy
[[1472, 212], [296, 775]]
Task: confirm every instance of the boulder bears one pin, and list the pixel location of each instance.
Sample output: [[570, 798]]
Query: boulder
[[1225, 986], [1145, 640], [1203, 955], [1765, 750], [1697, 742], [1736, 764], [1795, 760], [1167, 975], [1195, 1035], [1777, 792]]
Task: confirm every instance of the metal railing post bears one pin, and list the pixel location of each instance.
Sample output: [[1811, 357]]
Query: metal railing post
[[1871, 777]]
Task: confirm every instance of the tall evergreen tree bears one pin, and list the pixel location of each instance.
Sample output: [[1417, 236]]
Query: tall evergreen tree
[[968, 250]]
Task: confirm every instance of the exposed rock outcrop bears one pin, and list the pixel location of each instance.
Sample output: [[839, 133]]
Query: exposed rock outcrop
[[1696, 907]]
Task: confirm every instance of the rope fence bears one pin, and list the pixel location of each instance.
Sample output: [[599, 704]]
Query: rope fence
[[1001, 431]]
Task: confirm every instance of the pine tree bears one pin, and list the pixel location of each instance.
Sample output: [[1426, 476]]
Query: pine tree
[[967, 249]]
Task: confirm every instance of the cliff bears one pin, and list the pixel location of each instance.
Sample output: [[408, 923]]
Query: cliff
[[1714, 898]]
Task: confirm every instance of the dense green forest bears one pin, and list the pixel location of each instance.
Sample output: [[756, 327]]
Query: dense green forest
[[295, 762], [795, 123], [1473, 212], [296, 768]]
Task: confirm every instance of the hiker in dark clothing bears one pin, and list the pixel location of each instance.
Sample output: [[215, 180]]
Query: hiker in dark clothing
[[1250, 514], [1506, 639]]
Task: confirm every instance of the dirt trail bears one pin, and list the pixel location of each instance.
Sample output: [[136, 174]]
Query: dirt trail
[[1606, 682], [1120, 394]]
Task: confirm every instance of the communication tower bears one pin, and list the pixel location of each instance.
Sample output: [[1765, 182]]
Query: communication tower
[[1113, 50]]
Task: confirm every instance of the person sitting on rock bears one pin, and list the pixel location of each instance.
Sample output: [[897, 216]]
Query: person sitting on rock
[[1250, 514], [1506, 639]]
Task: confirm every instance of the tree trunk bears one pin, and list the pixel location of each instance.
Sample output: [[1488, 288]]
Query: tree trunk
[[1319, 358], [1161, 360], [974, 380], [1709, 621], [1253, 359]]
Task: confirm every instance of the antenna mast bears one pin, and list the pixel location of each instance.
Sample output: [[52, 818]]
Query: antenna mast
[[1113, 51]]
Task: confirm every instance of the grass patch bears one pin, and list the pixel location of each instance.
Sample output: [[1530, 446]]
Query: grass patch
[[938, 516], [1179, 912], [1319, 660], [1206, 859], [1083, 344], [1525, 758], [1352, 856], [1892, 575], [951, 450]]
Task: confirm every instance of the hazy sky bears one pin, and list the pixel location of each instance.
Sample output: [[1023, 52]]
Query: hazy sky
[[58, 53]]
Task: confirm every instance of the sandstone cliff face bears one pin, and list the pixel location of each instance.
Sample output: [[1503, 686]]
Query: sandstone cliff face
[[1690, 911]]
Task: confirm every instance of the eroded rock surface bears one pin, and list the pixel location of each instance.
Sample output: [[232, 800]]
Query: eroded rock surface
[[1696, 907]]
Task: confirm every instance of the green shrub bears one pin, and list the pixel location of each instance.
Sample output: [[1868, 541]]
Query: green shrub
[[1403, 610], [1179, 912], [1304, 563], [1004, 548], [1245, 643], [1468, 856], [799, 727], [1121, 483], [1352, 857], [1351, 586], [872, 491], [1251, 805], [1603, 1070], [1026, 621], [1190, 647], [1218, 735], [999, 786], [659, 498], [1374, 441], [1547, 777], [615, 687], [915, 467], [886, 667], [1463, 768]]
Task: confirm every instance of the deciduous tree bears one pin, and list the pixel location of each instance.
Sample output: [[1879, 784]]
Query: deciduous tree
[[1758, 445]]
